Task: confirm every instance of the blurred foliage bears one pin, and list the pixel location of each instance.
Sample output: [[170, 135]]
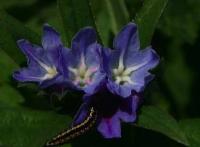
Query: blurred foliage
[[150, 12], [192, 128], [179, 30], [155, 119], [30, 116]]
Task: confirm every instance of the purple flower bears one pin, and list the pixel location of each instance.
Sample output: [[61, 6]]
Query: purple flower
[[110, 79], [127, 69], [110, 127], [126, 66], [44, 65], [82, 61], [111, 109]]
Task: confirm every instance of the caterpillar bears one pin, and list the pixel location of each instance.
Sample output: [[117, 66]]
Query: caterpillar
[[69, 134]]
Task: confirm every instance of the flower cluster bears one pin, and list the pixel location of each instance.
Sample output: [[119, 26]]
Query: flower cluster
[[111, 79]]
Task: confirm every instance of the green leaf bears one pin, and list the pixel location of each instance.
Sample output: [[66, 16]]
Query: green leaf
[[147, 19], [118, 14], [29, 128], [11, 31], [158, 120], [8, 44], [172, 26], [191, 128], [184, 82], [9, 97], [75, 15], [8, 66], [13, 3], [26, 127], [45, 15], [17, 29], [111, 19]]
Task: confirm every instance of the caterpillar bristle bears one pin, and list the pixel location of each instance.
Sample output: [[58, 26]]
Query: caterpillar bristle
[[71, 133]]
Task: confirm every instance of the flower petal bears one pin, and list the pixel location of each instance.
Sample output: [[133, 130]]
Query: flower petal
[[127, 112], [82, 40], [90, 66], [127, 38], [57, 80], [64, 61], [147, 57], [114, 59], [110, 127], [141, 77], [33, 52], [44, 64], [39, 69], [98, 79], [93, 55], [30, 74], [51, 43], [51, 38], [93, 61], [81, 114], [105, 54], [121, 90]]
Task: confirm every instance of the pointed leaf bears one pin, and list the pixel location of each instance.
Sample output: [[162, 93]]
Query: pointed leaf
[[26, 127], [75, 14], [147, 19], [11, 31], [157, 120], [111, 19], [8, 65], [191, 128]]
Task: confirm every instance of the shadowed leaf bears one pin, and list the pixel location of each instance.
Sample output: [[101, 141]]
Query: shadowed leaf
[[158, 120], [148, 17]]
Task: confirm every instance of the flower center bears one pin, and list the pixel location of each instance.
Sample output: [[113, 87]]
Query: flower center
[[122, 75], [50, 71], [83, 74]]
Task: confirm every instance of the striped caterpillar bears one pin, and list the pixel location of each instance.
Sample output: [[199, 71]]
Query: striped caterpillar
[[75, 131]]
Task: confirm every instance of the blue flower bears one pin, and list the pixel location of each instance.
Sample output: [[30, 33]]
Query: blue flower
[[44, 65], [127, 70], [110, 127], [111, 111], [83, 62], [110, 79], [126, 66]]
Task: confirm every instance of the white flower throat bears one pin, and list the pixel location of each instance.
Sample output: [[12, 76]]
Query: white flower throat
[[51, 72], [122, 74], [83, 74]]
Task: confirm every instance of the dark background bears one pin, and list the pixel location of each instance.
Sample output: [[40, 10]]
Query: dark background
[[176, 86]]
